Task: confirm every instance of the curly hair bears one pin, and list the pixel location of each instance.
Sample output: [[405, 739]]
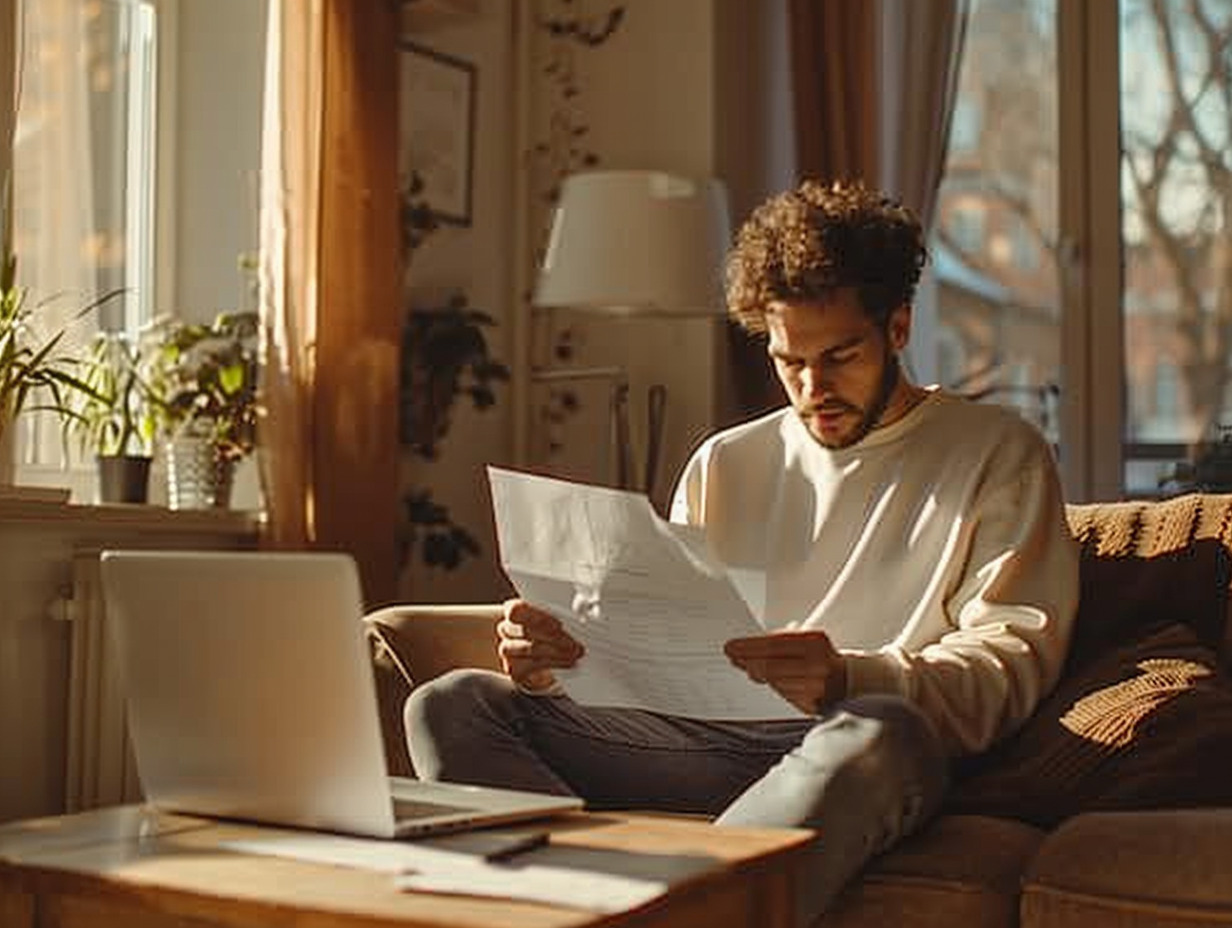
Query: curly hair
[[804, 244]]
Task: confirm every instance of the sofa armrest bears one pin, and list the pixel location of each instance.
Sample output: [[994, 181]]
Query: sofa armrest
[[412, 644]]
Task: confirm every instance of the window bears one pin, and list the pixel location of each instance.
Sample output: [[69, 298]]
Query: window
[[83, 177], [1175, 84], [1167, 398], [997, 199], [1120, 187], [1024, 249], [965, 125], [966, 227]]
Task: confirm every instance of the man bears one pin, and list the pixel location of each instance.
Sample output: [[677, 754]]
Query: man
[[920, 577]]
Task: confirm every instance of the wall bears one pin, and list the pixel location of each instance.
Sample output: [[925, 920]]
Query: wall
[[647, 97], [38, 542], [218, 62], [210, 150], [650, 99], [478, 260]]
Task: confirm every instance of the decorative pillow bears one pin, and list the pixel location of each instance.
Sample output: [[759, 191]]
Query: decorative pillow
[[1146, 725], [1122, 597]]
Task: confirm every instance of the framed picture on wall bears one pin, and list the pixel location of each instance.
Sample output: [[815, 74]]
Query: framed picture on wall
[[436, 129]]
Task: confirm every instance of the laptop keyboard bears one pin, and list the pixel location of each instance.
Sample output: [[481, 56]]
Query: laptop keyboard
[[412, 809]]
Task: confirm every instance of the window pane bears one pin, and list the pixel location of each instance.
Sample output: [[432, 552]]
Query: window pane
[[83, 175], [993, 246], [1176, 190]]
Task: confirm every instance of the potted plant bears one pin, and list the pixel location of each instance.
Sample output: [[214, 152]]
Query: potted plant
[[115, 416], [444, 357], [30, 362], [204, 377]]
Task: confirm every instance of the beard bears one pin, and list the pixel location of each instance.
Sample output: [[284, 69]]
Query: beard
[[869, 415]]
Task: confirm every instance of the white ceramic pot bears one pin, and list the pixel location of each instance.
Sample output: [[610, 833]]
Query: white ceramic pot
[[197, 478]]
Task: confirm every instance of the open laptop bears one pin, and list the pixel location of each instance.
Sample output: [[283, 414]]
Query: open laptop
[[251, 696]]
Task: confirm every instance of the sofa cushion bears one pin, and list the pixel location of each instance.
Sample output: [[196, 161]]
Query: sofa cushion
[[1119, 539], [1168, 869], [412, 644], [959, 870], [1123, 597], [1146, 725]]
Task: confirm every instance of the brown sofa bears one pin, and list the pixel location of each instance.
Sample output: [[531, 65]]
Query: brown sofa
[[1111, 806]]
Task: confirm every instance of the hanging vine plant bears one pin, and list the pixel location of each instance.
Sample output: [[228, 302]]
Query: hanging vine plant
[[444, 358], [566, 150]]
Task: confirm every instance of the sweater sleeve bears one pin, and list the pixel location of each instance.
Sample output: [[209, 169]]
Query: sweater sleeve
[[1010, 612]]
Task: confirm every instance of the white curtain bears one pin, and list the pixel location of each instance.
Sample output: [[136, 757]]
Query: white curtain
[[59, 249], [290, 232]]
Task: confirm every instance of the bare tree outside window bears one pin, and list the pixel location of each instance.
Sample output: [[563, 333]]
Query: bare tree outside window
[[1000, 296], [1176, 190]]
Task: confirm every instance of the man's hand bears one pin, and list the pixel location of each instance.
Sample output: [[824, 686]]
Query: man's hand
[[802, 666], [531, 642]]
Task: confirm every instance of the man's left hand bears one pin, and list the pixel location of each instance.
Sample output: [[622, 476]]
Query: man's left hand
[[802, 666]]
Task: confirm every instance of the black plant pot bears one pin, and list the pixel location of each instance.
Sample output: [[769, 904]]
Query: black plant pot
[[123, 478]]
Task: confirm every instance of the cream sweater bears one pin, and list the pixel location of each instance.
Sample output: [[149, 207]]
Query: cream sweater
[[935, 553]]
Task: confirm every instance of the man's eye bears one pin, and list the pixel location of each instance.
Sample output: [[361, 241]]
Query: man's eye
[[844, 357]]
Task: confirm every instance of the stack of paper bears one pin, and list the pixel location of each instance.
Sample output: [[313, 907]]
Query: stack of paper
[[644, 597]]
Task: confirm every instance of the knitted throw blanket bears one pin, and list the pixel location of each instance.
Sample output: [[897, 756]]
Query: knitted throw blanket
[[1146, 528], [1147, 561], [1142, 716]]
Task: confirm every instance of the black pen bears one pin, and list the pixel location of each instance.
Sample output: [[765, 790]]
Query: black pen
[[518, 845]]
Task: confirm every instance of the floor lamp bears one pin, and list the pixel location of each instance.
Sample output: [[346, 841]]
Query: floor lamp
[[635, 243]]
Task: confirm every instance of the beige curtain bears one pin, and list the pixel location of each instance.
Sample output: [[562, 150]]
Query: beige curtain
[[921, 49], [290, 209], [60, 252], [330, 273], [873, 90], [833, 49]]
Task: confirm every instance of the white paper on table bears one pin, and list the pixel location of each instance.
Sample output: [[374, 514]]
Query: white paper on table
[[594, 879], [596, 892], [382, 855], [643, 596]]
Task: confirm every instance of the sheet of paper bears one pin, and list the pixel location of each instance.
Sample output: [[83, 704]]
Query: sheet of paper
[[596, 892], [337, 850], [594, 879], [445, 852], [643, 596]]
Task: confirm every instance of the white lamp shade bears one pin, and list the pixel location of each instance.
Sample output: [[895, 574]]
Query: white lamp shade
[[637, 241]]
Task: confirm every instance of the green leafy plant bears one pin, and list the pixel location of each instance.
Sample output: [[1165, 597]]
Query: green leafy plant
[[1210, 469], [118, 413], [445, 356], [30, 362], [204, 380]]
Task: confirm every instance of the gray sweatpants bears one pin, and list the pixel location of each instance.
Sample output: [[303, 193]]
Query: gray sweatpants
[[864, 775]]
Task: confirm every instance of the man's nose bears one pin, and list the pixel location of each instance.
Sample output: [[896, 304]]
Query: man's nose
[[816, 381]]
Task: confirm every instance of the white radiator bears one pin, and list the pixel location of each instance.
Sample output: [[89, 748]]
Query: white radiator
[[100, 768]]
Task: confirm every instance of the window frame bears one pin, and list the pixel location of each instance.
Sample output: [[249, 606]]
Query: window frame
[[1092, 331], [155, 202]]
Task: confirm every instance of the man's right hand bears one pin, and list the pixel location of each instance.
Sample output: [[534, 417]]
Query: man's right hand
[[531, 643]]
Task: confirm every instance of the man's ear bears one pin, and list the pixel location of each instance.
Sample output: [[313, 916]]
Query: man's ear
[[899, 327]]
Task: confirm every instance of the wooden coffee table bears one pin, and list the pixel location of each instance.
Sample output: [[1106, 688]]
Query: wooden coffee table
[[132, 866]]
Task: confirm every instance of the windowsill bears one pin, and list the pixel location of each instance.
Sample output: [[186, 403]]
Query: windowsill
[[223, 522]]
